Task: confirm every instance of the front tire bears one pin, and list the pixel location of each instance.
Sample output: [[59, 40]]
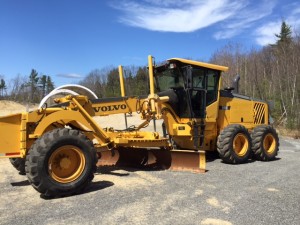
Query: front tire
[[234, 145], [265, 143], [60, 163]]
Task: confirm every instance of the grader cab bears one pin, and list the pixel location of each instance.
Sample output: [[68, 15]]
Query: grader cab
[[59, 145]]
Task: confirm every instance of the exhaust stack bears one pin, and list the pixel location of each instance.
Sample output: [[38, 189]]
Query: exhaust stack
[[235, 84]]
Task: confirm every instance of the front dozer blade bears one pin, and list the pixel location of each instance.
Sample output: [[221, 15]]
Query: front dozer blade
[[157, 159]]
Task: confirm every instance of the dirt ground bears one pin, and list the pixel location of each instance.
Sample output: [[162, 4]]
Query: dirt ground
[[10, 107], [258, 193]]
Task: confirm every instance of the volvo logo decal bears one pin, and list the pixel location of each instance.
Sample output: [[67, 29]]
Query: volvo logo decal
[[110, 108]]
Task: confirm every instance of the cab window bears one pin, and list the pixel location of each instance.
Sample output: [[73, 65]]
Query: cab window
[[212, 86]]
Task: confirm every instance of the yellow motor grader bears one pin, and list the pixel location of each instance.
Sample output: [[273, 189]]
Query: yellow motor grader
[[59, 145]]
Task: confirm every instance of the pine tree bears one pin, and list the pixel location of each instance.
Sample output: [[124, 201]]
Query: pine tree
[[141, 82], [43, 84], [33, 84], [285, 35], [113, 83], [49, 85], [129, 81]]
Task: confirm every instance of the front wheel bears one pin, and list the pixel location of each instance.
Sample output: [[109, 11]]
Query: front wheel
[[234, 145], [265, 143], [62, 162]]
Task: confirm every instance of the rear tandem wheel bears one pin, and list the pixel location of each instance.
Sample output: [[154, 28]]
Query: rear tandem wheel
[[234, 144], [265, 143], [62, 162]]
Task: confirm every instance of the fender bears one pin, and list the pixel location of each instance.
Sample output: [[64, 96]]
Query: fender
[[64, 116]]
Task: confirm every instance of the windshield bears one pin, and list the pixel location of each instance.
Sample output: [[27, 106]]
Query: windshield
[[167, 77]]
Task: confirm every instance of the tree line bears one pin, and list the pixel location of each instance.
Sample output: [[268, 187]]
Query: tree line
[[271, 74], [106, 83], [29, 89]]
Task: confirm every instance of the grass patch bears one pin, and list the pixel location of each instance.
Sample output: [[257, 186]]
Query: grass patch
[[288, 132]]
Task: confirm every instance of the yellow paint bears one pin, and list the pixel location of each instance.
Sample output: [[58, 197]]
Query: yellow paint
[[240, 144], [91, 121], [202, 64], [202, 161], [66, 164], [10, 134], [181, 129], [269, 143], [122, 85], [242, 112], [151, 76]]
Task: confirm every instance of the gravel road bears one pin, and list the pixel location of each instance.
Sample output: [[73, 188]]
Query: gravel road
[[252, 193]]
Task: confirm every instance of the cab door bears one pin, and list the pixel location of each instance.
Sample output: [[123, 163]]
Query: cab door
[[212, 108], [205, 101]]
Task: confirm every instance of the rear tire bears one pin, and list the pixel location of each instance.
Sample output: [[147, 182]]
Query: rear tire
[[234, 145], [265, 143], [19, 164], [60, 163]]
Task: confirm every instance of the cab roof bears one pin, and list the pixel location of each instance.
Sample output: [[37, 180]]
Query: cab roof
[[202, 64]]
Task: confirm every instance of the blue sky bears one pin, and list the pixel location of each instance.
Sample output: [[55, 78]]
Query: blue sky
[[68, 38]]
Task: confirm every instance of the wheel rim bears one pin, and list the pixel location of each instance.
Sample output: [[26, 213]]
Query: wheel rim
[[269, 143], [66, 164], [240, 144]]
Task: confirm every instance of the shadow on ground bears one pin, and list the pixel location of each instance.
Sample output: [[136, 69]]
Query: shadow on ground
[[20, 183]]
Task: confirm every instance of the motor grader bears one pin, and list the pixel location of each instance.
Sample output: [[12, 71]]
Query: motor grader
[[60, 144]]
